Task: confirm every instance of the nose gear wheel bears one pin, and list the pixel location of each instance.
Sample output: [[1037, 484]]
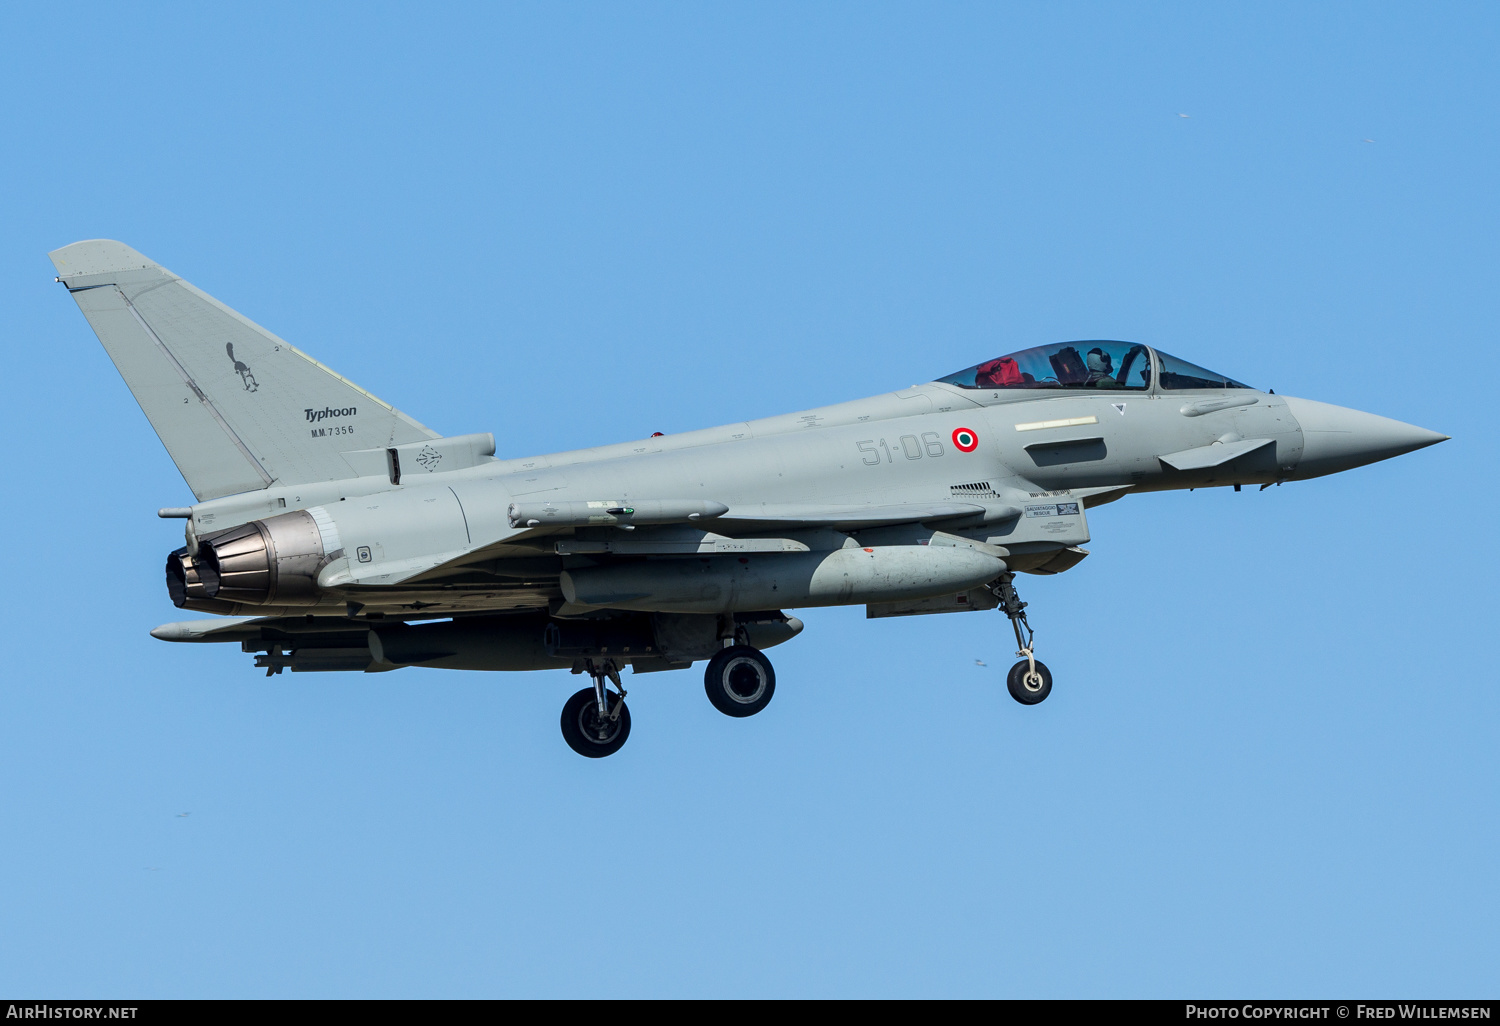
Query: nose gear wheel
[[1029, 681]]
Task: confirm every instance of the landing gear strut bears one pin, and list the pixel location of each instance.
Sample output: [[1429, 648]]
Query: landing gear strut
[[595, 721], [1029, 681]]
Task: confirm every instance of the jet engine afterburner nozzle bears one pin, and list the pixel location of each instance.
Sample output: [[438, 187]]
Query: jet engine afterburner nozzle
[[265, 562], [240, 564], [188, 581], [186, 578]]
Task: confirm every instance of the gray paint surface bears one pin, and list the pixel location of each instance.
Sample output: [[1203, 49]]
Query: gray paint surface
[[909, 502]]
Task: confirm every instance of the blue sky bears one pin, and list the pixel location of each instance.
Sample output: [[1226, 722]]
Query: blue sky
[[1269, 763]]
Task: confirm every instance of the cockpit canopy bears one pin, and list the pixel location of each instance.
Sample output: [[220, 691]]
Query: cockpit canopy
[[1104, 365]]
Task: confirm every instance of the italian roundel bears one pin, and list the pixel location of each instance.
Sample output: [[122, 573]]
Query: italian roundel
[[965, 439]]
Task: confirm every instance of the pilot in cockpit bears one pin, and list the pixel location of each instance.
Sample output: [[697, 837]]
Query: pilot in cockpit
[[1101, 369]]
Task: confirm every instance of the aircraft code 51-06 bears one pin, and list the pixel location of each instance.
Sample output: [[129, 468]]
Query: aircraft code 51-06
[[931, 444]]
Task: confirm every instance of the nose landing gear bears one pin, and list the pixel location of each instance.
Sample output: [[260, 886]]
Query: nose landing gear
[[595, 721], [1029, 681]]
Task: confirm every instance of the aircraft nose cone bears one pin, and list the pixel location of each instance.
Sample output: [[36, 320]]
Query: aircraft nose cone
[[1336, 438]]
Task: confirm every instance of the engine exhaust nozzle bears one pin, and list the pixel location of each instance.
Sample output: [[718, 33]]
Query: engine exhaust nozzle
[[265, 562]]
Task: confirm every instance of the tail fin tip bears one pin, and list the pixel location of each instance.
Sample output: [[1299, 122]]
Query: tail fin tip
[[98, 256]]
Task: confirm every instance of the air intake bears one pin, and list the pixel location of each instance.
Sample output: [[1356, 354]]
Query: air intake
[[974, 488]]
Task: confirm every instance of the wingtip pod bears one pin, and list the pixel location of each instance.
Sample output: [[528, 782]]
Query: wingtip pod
[[98, 256]]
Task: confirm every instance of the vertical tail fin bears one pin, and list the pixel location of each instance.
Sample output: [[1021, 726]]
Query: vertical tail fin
[[236, 407]]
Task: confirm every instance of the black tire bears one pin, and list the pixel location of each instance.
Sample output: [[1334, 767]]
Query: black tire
[[739, 681], [1015, 681], [580, 725]]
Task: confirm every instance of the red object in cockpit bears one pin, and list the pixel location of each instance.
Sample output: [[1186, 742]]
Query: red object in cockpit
[[1000, 373]]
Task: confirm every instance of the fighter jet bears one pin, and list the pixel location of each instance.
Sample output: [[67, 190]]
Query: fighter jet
[[333, 532]]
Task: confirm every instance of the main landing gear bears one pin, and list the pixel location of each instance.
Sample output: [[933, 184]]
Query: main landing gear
[[595, 721], [739, 680], [1029, 681]]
